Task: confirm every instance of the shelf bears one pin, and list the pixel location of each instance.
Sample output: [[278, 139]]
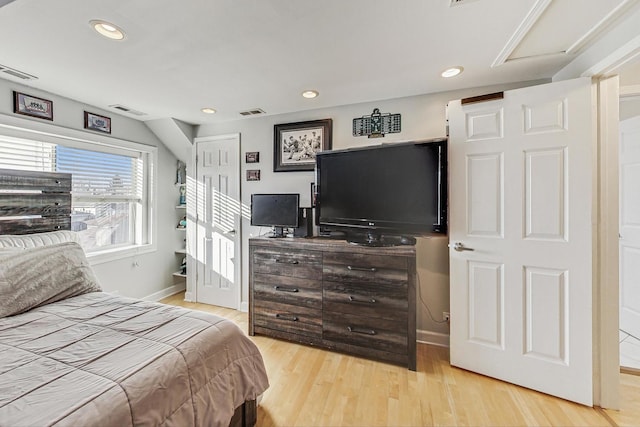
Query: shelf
[[181, 208]]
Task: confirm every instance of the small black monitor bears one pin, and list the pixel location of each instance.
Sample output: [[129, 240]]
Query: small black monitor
[[275, 210]]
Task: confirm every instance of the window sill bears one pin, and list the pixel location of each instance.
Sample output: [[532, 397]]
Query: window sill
[[101, 257]]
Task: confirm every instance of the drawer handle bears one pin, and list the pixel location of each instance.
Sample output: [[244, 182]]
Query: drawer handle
[[371, 269], [362, 301], [285, 317], [361, 331], [287, 262], [285, 289]]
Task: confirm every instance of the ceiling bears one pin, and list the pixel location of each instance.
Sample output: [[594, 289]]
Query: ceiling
[[236, 55]]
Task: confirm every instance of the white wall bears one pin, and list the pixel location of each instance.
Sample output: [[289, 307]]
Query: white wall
[[153, 271], [629, 108], [423, 117]]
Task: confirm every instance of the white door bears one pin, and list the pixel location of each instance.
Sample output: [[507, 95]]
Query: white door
[[218, 221], [520, 215], [630, 226]]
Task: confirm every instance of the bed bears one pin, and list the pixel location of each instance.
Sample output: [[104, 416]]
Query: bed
[[73, 355]]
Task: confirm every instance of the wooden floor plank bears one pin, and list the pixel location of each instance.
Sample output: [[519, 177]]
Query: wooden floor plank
[[315, 387]]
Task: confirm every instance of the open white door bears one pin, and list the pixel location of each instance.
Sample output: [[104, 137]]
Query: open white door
[[218, 221], [520, 174], [630, 226]]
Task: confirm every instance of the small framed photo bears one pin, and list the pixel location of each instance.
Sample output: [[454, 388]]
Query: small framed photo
[[32, 106], [252, 157], [314, 195], [96, 122], [253, 175], [295, 144]]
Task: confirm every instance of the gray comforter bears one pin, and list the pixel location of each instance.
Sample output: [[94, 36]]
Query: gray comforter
[[104, 360]]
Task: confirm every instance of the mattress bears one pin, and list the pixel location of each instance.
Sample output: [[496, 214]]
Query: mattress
[[105, 360]]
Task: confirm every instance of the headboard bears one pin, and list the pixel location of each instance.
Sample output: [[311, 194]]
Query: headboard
[[34, 202]]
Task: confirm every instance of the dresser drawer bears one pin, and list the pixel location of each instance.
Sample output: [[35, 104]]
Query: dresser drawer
[[288, 318], [289, 290], [381, 334], [367, 299], [291, 263], [341, 267]]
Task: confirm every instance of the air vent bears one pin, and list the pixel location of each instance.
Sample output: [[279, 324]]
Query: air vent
[[459, 2], [16, 73], [127, 110], [5, 2], [252, 112]]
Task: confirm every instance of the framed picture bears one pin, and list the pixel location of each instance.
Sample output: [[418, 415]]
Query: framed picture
[[253, 175], [32, 106], [295, 144], [96, 122], [252, 157]]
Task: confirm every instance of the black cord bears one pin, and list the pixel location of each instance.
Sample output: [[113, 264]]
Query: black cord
[[425, 304]]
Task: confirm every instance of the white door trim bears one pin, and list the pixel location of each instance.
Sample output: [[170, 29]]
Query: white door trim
[[194, 233], [606, 349], [606, 292]]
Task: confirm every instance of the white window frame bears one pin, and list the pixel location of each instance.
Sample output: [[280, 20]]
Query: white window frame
[[29, 129]]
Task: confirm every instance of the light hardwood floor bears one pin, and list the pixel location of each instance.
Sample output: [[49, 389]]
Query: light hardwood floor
[[314, 387]]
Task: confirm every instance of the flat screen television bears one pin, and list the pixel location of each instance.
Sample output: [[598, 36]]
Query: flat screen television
[[278, 211], [384, 195]]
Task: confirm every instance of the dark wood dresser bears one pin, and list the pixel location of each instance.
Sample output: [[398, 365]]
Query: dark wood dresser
[[335, 295]]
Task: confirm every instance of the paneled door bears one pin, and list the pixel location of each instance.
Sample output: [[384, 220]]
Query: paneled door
[[218, 221], [520, 237], [630, 226]]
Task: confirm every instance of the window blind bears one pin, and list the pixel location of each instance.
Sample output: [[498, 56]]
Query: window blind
[[97, 175], [101, 175], [27, 155]]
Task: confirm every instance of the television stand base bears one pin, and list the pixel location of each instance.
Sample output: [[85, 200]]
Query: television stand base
[[277, 233], [380, 240]]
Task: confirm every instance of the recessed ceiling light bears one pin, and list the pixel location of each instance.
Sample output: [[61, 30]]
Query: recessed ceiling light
[[107, 29], [310, 93], [208, 110], [452, 72]]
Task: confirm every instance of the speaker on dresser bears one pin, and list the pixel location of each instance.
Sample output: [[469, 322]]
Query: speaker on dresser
[[305, 223]]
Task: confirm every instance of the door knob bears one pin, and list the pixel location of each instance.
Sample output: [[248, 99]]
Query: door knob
[[459, 247]]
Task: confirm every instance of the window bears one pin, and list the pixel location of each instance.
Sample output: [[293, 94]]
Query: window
[[110, 186], [107, 196]]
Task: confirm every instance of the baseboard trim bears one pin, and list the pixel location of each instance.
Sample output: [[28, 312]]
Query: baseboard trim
[[432, 338], [189, 297], [244, 306], [166, 292]]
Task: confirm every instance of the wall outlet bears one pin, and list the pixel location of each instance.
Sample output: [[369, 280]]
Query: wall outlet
[[446, 316]]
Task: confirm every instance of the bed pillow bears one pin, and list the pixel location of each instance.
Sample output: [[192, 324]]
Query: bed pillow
[[33, 277]]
